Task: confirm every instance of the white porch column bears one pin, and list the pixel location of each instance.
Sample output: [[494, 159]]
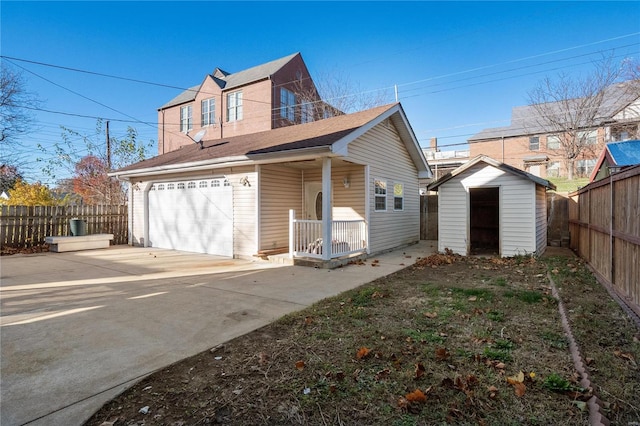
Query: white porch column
[[326, 208], [292, 232]]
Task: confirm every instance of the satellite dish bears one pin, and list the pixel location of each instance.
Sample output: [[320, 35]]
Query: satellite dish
[[198, 136]]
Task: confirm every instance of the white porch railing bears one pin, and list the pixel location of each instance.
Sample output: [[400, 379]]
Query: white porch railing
[[347, 237]]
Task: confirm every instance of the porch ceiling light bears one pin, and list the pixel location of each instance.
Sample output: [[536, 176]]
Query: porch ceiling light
[[346, 182]]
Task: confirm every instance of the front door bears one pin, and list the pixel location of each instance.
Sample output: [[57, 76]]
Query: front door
[[313, 200]]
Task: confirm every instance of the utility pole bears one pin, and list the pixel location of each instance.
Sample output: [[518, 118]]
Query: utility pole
[[108, 149]]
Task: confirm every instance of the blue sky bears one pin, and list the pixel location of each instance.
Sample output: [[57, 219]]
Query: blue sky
[[459, 66]]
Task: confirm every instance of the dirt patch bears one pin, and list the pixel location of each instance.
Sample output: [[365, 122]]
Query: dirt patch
[[449, 340], [38, 248]]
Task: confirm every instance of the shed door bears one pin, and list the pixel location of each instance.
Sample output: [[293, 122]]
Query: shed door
[[484, 220], [194, 216]]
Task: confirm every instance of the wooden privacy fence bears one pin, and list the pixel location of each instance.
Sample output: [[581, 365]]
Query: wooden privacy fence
[[604, 222], [26, 226]]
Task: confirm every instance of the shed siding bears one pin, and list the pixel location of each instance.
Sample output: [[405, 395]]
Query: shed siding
[[453, 206], [382, 148], [280, 191], [518, 221], [541, 219]]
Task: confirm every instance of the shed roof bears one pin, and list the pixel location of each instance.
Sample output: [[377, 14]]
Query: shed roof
[[327, 137], [497, 164], [229, 81]]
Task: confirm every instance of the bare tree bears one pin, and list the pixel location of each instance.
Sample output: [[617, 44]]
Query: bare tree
[[15, 118], [569, 107]]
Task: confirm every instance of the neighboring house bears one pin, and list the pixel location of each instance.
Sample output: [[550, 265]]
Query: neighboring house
[[488, 207], [276, 94], [527, 145], [615, 157], [343, 185]]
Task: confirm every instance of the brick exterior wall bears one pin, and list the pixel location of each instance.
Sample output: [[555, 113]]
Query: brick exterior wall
[[514, 150], [260, 107]]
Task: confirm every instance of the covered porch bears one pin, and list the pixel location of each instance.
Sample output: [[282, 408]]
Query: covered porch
[[323, 205]]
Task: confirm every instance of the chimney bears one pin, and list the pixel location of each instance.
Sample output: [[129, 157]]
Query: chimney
[[433, 144]]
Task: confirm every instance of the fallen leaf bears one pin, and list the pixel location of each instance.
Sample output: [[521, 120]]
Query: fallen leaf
[[382, 374], [362, 352], [442, 354], [624, 355], [262, 358], [416, 396], [403, 402], [419, 370], [519, 389], [500, 365], [473, 298], [308, 320], [518, 378], [300, 365], [430, 314]]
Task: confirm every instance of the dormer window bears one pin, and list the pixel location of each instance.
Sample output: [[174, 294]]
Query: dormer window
[[208, 112], [186, 118], [234, 106]]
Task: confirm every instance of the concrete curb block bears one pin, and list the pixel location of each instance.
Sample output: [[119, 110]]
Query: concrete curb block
[[596, 418]]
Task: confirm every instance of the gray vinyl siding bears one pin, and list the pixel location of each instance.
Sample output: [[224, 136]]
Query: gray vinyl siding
[[387, 156], [280, 191], [453, 207], [137, 219], [541, 219], [348, 203], [244, 212], [518, 221]]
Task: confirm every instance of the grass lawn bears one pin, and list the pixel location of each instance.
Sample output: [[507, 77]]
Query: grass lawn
[[565, 185], [450, 340]]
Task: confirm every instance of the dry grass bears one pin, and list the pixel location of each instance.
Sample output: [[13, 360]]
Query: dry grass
[[442, 342]]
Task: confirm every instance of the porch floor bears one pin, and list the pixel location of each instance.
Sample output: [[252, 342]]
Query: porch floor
[[284, 259]]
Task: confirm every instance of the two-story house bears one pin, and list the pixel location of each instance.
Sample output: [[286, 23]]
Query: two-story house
[[530, 145], [276, 94]]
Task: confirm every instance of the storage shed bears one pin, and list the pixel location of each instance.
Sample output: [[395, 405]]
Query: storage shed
[[488, 207]]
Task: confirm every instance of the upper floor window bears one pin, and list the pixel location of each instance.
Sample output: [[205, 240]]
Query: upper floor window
[[534, 143], [287, 104], [208, 112], [186, 118], [234, 106], [380, 191], [306, 112], [553, 142], [588, 138]]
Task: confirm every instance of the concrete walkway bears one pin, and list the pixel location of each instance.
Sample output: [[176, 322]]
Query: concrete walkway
[[78, 328]]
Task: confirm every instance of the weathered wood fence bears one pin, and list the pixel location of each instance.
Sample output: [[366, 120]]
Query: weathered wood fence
[[604, 222], [27, 226]]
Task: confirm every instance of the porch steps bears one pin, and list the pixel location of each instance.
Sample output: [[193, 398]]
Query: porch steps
[[284, 259]]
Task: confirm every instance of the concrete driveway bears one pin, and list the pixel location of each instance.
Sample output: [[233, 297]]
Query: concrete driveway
[[78, 328]]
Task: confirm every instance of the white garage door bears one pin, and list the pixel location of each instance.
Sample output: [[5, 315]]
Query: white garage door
[[194, 215]]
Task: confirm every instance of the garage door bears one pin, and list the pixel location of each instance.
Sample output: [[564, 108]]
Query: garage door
[[194, 215]]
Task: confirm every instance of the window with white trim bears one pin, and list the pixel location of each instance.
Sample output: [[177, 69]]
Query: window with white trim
[[398, 196], [191, 185], [234, 106], [306, 112], [380, 194], [203, 184], [553, 169], [534, 143], [181, 185], [186, 118], [215, 183], [588, 137], [287, 104], [161, 187], [171, 186], [208, 112], [553, 142], [227, 183]]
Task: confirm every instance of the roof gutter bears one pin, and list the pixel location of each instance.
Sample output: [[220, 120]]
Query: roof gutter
[[241, 160]]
